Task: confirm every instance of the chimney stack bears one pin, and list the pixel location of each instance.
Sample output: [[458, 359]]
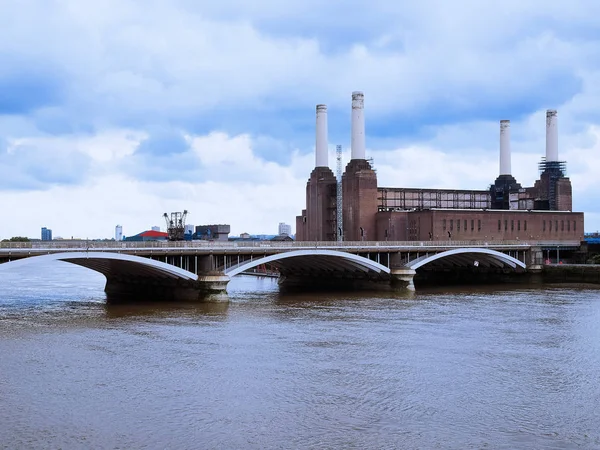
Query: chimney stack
[[358, 126], [505, 147], [321, 149], [551, 135]]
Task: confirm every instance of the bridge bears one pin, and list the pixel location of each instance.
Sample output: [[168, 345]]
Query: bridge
[[200, 270]]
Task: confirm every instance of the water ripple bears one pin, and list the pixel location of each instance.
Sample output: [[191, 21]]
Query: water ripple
[[459, 368]]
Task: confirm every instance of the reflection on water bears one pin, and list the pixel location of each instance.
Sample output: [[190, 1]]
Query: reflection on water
[[164, 309], [476, 367]]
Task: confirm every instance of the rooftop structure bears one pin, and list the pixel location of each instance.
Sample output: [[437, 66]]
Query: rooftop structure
[[149, 235]]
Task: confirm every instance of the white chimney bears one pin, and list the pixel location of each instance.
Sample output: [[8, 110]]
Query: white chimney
[[505, 147], [321, 159], [358, 126], [551, 136]]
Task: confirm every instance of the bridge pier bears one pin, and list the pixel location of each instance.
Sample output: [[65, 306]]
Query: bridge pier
[[403, 277], [535, 261], [213, 288], [207, 288]]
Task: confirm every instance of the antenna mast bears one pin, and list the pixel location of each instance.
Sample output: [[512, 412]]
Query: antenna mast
[[339, 216]]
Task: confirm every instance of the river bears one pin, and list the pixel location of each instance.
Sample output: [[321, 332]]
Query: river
[[504, 367]]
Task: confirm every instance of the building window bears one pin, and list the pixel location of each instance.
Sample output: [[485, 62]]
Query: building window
[[550, 223], [544, 226], [444, 224], [465, 224], [458, 225], [574, 226], [512, 225], [562, 225], [518, 225], [451, 224], [499, 225], [479, 225], [568, 225], [556, 226], [524, 225], [472, 225], [505, 225]]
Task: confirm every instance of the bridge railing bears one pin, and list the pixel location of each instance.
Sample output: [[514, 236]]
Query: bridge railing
[[116, 245]]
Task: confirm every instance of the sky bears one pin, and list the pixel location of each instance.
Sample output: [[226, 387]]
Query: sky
[[117, 111]]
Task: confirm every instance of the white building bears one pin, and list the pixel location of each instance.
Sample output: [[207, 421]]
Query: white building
[[285, 229], [118, 233], [155, 228], [188, 229]]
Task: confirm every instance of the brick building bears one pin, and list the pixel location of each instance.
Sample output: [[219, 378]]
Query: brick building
[[504, 211]]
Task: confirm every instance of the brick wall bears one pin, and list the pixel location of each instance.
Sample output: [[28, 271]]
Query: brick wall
[[359, 185], [320, 206]]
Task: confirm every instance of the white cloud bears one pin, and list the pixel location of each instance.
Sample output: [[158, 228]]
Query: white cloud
[[127, 58], [108, 197], [275, 192], [91, 82]]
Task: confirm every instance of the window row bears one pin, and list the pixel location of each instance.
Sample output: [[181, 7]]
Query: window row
[[562, 225], [458, 223], [512, 225], [503, 225]]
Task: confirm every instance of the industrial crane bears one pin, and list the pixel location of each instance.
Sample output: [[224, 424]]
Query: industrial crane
[[176, 225]]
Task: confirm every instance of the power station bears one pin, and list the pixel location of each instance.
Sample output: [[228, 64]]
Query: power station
[[504, 211]]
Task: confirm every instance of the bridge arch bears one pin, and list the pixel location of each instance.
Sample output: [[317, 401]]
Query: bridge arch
[[469, 257], [322, 260], [112, 265]]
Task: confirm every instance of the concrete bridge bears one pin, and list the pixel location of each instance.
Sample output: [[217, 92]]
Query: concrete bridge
[[200, 270]]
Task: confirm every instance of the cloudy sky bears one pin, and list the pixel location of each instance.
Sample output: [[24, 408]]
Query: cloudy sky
[[116, 111]]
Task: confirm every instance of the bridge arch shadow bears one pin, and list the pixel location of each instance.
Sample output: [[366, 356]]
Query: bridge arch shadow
[[111, 265], [315, 262], [469, 257]]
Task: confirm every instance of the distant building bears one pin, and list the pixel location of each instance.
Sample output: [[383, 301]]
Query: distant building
[[46, 234], [282, 237], [212, 232], [188, 230], [264, 237], [118, 233], [244, 237], [285, 229], [155, 228], [149, 235]]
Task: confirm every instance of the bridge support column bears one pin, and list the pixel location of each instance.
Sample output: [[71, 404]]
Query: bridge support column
[[207, 288], [213, 288], [535, 260], [403, 277]]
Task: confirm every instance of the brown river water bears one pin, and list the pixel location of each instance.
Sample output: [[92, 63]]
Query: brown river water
[[482, 367]]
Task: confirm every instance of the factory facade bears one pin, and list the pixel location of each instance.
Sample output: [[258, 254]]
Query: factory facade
[[504, 211]]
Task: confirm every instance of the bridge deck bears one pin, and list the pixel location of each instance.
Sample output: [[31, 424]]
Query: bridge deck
[[24, 249]]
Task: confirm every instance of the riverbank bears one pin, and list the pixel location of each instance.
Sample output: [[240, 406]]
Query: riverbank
[[571, 273], [261, 274], [546, 274]]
